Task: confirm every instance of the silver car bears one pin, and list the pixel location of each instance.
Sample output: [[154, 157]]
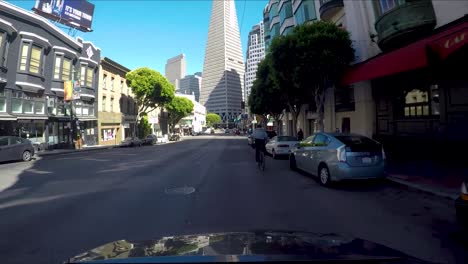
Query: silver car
[[336, 156], [15, 148]]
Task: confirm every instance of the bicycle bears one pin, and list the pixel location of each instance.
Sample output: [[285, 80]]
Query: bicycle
[[261, 162]]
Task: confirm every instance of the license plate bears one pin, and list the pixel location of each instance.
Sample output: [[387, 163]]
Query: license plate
[[366, 160]]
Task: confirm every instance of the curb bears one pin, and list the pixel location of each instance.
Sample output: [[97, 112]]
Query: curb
[[425, 189], [74, 151]]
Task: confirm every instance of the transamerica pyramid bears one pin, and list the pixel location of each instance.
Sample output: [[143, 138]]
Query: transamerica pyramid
[[223, 69]]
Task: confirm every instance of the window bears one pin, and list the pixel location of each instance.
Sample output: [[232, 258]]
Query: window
[[285, 12], [305, 12], [24, 56], [4, 141], [35, 61], [112, 84], [3, 48], [89, 77], [112, 104], [344, 99], [62, 69], [104, 81], [104, 103], [387, 5], [417, 104], [121, 86], [2, 102], [66, 69], [86, 75], [321, 140], [24, 104]]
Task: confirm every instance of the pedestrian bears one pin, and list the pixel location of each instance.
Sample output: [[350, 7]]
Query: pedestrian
[[300, 135]]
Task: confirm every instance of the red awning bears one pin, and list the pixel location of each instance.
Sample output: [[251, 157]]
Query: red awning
[[411, 57]]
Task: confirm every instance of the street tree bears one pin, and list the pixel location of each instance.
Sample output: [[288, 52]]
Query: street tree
[[265, 96], [178, 108], [144, 127], [212, 118], [151, 90], [284, 58], [322, 51]]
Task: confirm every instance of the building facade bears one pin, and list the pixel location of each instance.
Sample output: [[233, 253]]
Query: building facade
[[194, 122], [223, 69], [191, 84], [36, 58], [176, 69], [116, 106], [255, 54], [406, 87]]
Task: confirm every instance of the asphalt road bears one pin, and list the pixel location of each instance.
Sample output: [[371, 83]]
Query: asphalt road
[[63, 205]]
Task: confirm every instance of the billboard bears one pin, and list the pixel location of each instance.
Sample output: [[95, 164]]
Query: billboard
[[74, 13]]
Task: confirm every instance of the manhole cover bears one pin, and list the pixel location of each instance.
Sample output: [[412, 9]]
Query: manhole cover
[[180, 190]]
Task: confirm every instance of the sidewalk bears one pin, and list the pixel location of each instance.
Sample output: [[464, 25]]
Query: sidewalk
[[440, 180], [66, 151]]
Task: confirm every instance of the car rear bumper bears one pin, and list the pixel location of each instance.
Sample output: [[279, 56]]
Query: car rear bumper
[[461, 207], [282, 151], [342, 171]]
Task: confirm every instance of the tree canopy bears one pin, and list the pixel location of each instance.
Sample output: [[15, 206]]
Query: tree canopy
[[212, 118], [299, 68], [178, 108], [151, 89], [265, 96]]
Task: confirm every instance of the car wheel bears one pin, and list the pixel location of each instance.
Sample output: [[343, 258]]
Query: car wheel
[[273, 154], [324, 176], [26, 155], [292, 162]]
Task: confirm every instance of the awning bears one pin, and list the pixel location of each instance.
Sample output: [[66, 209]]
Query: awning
[[411, 57]]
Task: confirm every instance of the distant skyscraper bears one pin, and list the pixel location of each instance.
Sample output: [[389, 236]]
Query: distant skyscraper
[[176, 69], [255, 53], [191, 84], [223, 70]]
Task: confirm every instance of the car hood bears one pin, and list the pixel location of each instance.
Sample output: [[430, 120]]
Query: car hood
[[243, 247]]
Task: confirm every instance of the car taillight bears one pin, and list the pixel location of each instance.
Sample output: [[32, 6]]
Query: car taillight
[[283, 146], [464, 192], [341, 154]]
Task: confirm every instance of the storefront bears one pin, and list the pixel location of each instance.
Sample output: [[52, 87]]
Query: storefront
[[421, 95]]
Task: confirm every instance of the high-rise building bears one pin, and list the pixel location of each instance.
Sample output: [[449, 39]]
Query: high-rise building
[[223, 69], [176, 69], [191, 84], [255, 53]]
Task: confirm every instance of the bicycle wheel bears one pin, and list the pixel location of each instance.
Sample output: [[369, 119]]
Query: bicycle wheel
[[262, 161]]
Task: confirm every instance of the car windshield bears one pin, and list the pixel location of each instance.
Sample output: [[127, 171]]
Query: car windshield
[[125, 122]]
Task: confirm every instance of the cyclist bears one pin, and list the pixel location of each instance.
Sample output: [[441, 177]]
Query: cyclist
[[260, 137]]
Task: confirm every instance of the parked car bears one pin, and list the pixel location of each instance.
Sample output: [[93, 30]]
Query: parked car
[[150, 140], [161, 139], [336, 156], [174, 137], [280, 145], [461, 206], [131, 142], [15, 148]]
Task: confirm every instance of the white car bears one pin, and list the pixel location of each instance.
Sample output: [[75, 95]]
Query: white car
[[161, 139], [280, 145]]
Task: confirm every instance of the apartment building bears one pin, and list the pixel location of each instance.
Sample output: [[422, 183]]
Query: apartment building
[[116, 106]]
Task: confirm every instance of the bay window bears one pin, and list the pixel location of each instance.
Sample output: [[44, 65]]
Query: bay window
[[31, 58], [62, 69], [86, 75]]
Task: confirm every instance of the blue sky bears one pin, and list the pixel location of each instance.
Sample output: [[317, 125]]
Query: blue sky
[[147, 33]]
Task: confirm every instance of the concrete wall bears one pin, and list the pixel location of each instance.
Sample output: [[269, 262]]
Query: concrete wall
[[449, 10]]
